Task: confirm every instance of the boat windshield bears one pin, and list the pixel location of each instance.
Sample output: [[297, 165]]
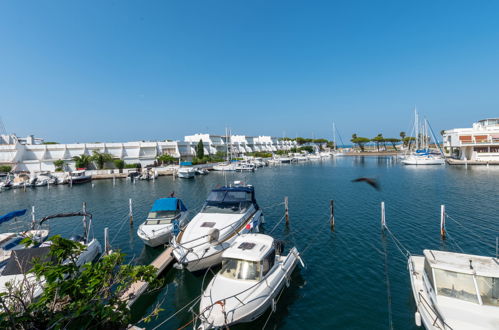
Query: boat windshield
[[238, 269], [161, 217], [488, 287], [227, 201], [455, 285]]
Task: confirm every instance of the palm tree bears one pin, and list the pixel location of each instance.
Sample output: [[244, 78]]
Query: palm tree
[[82, 161], [378, 139], [402, 135], [101, 158]]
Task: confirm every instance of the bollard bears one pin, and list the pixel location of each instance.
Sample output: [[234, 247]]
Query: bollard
[[442, 221], [130, 214], [383, 220], [286, 209], [331, 214]]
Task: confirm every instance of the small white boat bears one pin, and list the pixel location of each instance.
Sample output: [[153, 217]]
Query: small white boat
[[201, 171], [22, 180], [455, 291], [44, 179], [253, 273], [314, 157], [186, 172], [423, 159], [228, 212], [245, 167], [79, 176], [225, 167], [165, 214], [285, 160], [148, 174]]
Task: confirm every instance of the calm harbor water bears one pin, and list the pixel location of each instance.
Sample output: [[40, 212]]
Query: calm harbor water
[[344, 284]]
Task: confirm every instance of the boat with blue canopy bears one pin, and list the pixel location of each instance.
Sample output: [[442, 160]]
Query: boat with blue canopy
[[165, 216]]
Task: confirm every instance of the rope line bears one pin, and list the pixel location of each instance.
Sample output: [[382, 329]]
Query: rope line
[[194, 301], [398, 244]]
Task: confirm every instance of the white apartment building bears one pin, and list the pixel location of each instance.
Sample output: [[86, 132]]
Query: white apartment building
[[480, 143]]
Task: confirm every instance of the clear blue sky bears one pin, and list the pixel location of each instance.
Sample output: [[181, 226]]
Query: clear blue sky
[[83, 71]]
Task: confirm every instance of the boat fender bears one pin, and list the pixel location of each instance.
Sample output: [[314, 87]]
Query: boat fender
[[288, 281], [274, 305], [417, 318]]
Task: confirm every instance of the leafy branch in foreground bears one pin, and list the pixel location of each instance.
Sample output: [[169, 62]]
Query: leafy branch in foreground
[[91, 296]]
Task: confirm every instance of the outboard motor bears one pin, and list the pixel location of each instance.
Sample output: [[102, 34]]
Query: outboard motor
[[279, 247]]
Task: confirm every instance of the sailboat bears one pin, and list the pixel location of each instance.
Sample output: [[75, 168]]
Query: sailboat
[[335, 151], [423, 155]]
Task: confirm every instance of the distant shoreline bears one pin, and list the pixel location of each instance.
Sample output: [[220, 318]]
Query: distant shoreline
[[373, 153]]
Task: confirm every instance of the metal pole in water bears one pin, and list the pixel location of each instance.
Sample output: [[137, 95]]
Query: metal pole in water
[[114, 179], [383, 220], [106, 240], [33, 219], [286, 209], [85, 219], [497, 247], [331, 211], [442, 221], [131, 211]]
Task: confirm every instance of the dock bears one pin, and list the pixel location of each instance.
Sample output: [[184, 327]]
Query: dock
[[452, 161], [138, 288]]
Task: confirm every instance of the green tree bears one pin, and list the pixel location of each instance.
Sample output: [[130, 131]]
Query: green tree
[[82, 161], [85, 297], [166, 159], [119, 164], [408, 141], [402, 135], [378, 139], [308, 149], [101, 158], [5, 168], [360, 141], [393, 141], [200, 150], [59, 165]]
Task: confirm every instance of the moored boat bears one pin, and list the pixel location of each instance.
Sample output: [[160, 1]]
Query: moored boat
[[79, 176], [455, 290], [254, 271], [228, 212], [165, 214], [186, 172]]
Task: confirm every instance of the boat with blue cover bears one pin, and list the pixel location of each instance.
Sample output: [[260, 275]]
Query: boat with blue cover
[[228, 212], [165, 216]]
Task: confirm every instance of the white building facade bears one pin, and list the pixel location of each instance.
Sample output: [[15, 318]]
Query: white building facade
[[30, 154], [480, 143]]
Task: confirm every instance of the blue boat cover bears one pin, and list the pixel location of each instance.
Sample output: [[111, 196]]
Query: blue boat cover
[[186, 163], [168, 204], [12, 215]]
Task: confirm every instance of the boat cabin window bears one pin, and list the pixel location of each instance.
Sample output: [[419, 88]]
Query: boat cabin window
[[161, 217], [488, 287], [455, 285], [227, 201], [268, 262], [241, 269]]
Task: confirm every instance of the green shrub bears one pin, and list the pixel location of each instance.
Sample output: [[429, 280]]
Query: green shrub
[[5, 168]]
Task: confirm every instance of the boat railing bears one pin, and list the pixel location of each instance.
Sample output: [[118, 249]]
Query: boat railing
[[437, 320]]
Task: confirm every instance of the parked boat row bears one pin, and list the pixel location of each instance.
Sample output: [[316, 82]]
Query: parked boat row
[[225, 231]]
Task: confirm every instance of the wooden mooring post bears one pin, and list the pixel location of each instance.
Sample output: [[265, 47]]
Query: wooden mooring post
[[331, 214], [383, 219], [130, 214], [442, 221], [107, 246], [286, 210]]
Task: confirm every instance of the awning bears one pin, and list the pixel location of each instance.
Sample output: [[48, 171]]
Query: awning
[[168, 204], [12, 215]]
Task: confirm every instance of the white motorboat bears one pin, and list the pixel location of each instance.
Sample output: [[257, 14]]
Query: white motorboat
[[201, 171], [423, 159], [314, 157], [79, 176], [228, 212], [166, 215], [245, 167], [285, 160], [23, 180], [13, 241], [225, 167], [253, 273], [148, 174], [44, 179], [455, 291], [16, 270], [186, 172]]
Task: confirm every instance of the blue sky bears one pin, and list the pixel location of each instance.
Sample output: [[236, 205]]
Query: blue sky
[[86, 71]]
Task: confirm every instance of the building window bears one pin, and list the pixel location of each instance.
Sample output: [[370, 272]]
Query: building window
[[481, 149], [494, 149]]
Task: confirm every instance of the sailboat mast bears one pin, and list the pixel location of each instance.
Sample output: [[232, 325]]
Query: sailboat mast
[[334, 136], [416, 128]]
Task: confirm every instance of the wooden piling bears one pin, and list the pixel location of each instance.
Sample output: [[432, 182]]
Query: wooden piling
[[130, 214], [106, 241], [442, 221], [331, 214], [286, 209], [383, 220]]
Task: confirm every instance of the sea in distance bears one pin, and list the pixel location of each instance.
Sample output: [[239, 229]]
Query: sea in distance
[[348, 279]]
